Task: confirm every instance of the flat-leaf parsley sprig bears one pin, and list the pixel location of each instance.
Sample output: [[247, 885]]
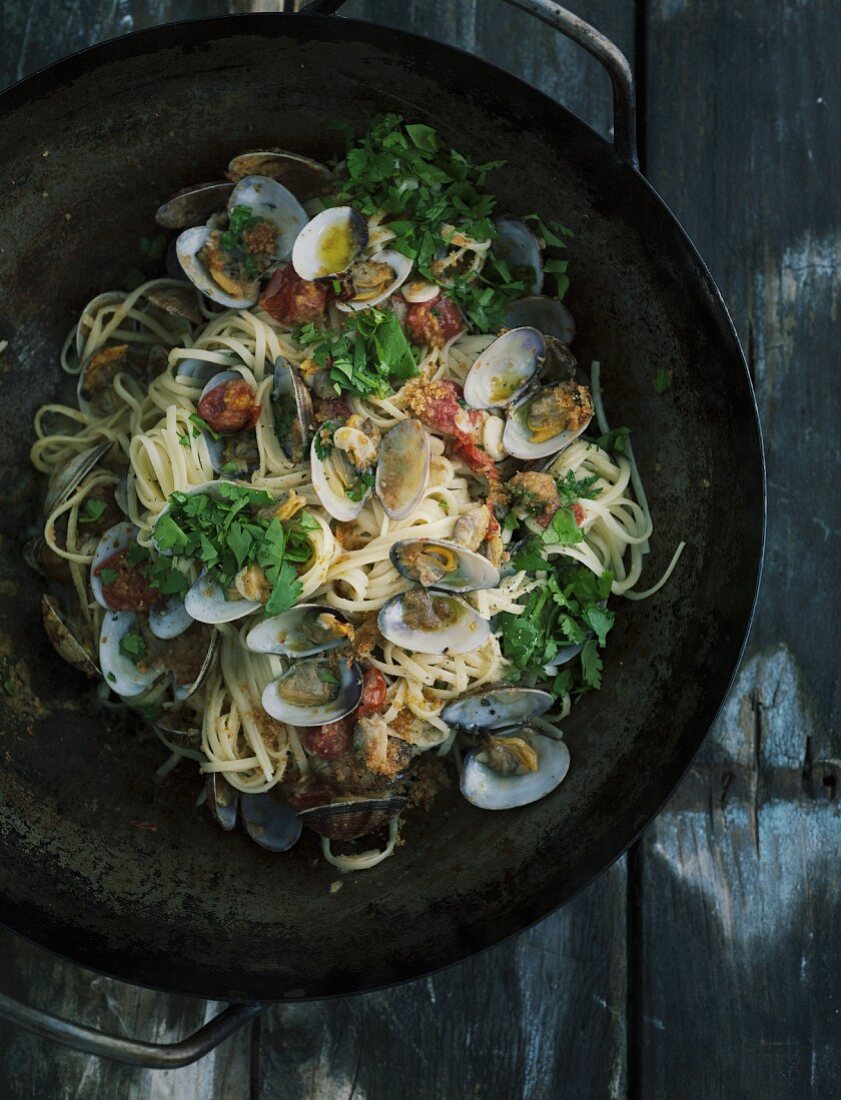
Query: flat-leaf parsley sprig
[[228, 533]]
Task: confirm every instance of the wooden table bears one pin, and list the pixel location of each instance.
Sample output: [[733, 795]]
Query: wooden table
[[702, 965]]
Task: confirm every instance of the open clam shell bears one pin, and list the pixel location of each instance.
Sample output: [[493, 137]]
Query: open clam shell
[[288, 393], [186, 685], [333, 478], [178, 300], [504, 369], [432, 622], [222, 800], [531, 432], [302, 631], [266, 198], [216, 446], [86, 321], [193, 205], [95, 392], [304, 177], [169, 619], [496, 708], [180, 727], [330, 243], [403, 468], [207, 602], [436, 563], [120, 672], [187, 248], [489, 790], [68, 479], [269, 821], [314, 691], [64, 640], [199, 371], [371, 286], [351, 818], [520, 249], [116, 538], [548, 315]]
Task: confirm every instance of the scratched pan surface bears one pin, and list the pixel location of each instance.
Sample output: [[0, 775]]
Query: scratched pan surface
[[122, 873]]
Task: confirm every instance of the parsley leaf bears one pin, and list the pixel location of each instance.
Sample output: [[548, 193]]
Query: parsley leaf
[[92, 511], [615, 440], [662, 380], [591, 665], [108, 576], [132, 645], [203, 426], [563, 530]]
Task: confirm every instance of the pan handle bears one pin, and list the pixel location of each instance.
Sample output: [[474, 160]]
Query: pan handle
[[133, 1052], [586, 36]]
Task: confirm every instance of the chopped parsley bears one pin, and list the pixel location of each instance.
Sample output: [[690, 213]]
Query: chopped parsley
[[132, 646], [363, 358], [184, 440], [240, 220], [92, 511], [429, 193], [662, 380], [615, 440], [107, 576], [233, 531], [202, 425], [565, 610], [357, 492]]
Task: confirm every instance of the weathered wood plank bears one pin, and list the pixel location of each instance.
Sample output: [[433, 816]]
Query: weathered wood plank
[[541, 1018], [33, 1067], [740, 904]]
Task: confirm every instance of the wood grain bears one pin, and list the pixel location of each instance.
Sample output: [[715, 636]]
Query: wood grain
[[740, 905]]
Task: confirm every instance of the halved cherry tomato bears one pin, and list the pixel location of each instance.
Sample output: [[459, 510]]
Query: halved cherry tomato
[[293, 300], [433, 323], [230, 407], [373, 693]]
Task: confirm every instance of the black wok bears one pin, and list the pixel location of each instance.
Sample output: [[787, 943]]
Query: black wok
[[185, 907]]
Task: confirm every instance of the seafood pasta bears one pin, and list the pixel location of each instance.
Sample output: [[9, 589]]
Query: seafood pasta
[[336, 511]]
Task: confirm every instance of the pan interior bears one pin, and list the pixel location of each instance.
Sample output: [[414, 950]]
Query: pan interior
[[122, 872]]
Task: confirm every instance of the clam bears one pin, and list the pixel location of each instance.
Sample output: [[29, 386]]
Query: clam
[[169, 619], [497, 707], [330, 243], [269, 821], [504, 369], [302, 631], [341, 486], [207, 602], [435, 563], [268, 199], [419, 290], [85, 324], [65, 640], [349, 818], [547, 420], [199, 371], [305, 178], [314, 691], [193, 205], [95, 389], [219, 444], [230, 283], [178, 301], [293, 406], [548, 315], [375, 279], [116, 538], [68, 479], [513, 768], [39, 556], [432, 622], [519, 248], [120, 672], [222, 800], [180, 727], [188, 679], [403, 468]]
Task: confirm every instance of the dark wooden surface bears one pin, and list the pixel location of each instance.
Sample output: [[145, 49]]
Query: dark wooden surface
[[704, 964]]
